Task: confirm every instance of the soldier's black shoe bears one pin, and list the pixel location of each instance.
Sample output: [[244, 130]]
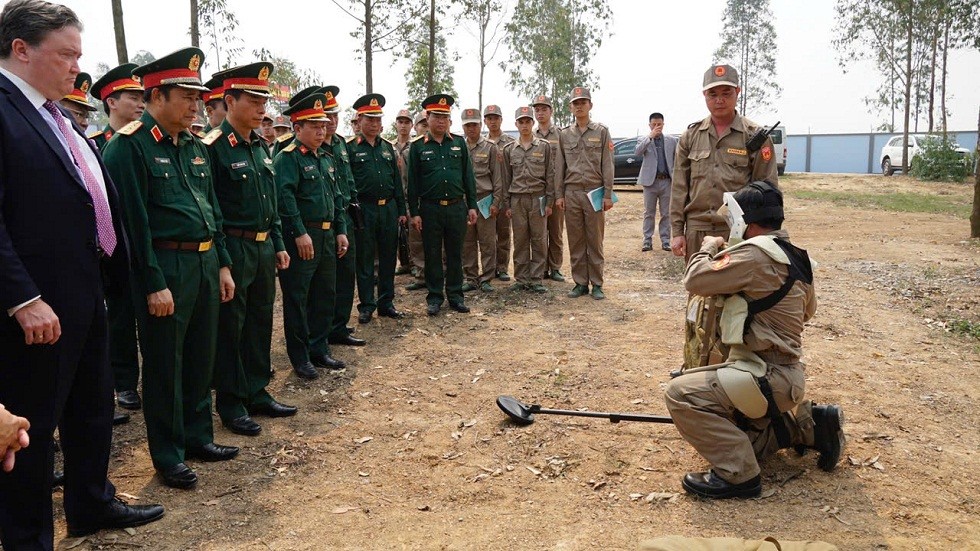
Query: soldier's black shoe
[[364, 317], [502, 276], [416, 286], [347, 341], [709, 486], [433, 309], [243, 425], [459, 307], [120, 418], [675, 373], [305, 371], [646, 247], [212, 452], [390, 312], [665, 247], [129, 399], [556, 275], [323, 360], [402, 270], [58, 480], [179, 476], [828, 435], [117, 514], [273, 409]]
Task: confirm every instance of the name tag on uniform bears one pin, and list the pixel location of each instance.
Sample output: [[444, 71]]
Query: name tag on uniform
[[481, 155], [428, 153], [239, 164], [736, 151], [595, 139], [308, 168], [537, 154], [267, 161], [454, 148], [386, 155], [361, 154], [162, 160]]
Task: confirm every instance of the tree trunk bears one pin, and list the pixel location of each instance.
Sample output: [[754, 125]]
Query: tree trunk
[[368, 47], [195, 29], [942, 96], [975, 215], [908, 89], [430, 73], [117, 23], [483, 22], [932, 81]]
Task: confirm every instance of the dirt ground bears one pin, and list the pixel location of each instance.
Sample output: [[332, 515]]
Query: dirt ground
[[407, 450]]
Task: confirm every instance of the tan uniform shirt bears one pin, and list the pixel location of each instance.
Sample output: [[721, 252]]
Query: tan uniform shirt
[[402, 151], [501, 140], [551, 136], [585, 159], [750, 271], [529, 170], [706, 166], [488, 170]]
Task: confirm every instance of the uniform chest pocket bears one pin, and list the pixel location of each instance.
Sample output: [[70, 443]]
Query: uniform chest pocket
[[700, 164], [736, 160], [536, 164], [592, 143], [243, 175], [164, 183]]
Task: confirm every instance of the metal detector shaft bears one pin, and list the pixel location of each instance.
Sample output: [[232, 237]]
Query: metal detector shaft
[[613, 417]]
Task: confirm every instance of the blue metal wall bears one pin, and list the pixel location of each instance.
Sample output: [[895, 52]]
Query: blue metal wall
[[847, 153]]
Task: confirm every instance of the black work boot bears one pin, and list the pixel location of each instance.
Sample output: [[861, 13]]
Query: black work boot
[[709, 485], [828, 435]]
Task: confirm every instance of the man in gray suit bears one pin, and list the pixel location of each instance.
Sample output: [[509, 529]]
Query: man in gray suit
[[657, 150]]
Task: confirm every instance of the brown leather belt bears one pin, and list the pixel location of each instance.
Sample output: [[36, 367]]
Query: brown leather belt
[[247, 234], [199, 246], [314, 225]]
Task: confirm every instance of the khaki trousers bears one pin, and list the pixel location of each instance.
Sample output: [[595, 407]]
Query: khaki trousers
[[586, 229], [503, 244], [416, 252], [556, 238], [530, 237], [695, 237], [480, 249], [705, 417]]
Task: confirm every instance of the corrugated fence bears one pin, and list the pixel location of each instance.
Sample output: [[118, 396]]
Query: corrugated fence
[[848, 153]]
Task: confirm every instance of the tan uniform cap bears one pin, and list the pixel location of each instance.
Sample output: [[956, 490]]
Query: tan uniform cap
[[493, 110], [581, 92], [471, 115], [523, 113], [720, 75], [541, 100], [420, 116], [403, 114]]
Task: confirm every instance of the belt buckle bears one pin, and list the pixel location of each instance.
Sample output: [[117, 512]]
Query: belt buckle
[[204, 247], [382, 202], [325, 226], [261, 236], [444, 203]]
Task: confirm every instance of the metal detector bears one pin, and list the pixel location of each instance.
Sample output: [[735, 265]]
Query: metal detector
[[523, 414]]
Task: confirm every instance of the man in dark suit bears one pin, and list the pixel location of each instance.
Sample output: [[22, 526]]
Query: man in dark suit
[[61, 244]]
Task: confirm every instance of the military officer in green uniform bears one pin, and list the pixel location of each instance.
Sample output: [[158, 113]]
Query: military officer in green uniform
[[310, 206], [442, 201], [180, 265], [77, 102], [245, 184], [379, 192], [122, 99]]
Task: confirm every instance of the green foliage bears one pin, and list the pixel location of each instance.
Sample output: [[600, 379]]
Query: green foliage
[[417, 79], [965, 328], [218, 23], [142, 57], [748, 42], [288, 74], [551, 43], [897, 202], [940, 162]]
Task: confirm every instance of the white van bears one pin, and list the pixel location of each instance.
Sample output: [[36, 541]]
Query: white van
[[779, 148]]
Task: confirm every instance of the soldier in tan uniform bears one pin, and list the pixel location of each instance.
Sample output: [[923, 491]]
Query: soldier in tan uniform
[[738, 412], [712, 158], [480, 243], [556, 222], [530, 196], [416, 251], [403, 133], [585, 163], [493, 116]]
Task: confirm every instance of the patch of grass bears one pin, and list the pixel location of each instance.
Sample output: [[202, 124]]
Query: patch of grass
[[964, 328], [897, 202]]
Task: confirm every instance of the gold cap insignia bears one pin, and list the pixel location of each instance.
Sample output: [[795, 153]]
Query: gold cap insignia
[[329, 95], [318, 104], [195, 63], [374, 102], [264, 73], [137, 80], [84, 87], [720, 71], [442, 101]]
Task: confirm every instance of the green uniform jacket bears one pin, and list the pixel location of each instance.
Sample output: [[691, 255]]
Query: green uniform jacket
[[245, 183], [167, 193], [375, 169], [102, 137], [341, 158], [308, 190], [440, 171]]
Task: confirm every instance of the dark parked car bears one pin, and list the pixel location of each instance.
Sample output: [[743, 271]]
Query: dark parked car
[[627, 163]]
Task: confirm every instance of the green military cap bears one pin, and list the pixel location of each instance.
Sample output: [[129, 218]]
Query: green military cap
[[331, 92], [541, 100], [581, 92], [116, 80], [181, 68], [404, 114], [493, 110], [471, 115], [307, 108], [720, 75], [252, 78], [215, 90], [281, 121], [524, 112], [369, 105], [439, 103], [79, 94], [302, 93]]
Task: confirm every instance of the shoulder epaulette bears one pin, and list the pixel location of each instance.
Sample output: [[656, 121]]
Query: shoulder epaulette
[[200, 134], [211, 136], [350, 139], [693, 124], [130, 128], [391, 143], [416, 138], [95, 134], [285, 137], [288, 148]]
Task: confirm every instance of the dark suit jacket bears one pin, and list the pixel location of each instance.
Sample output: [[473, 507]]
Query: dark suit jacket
[[47, 222]]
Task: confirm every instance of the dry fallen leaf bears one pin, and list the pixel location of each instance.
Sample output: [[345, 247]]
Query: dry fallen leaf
[[343, 509], [364, 440], [662, 496], [534, 471]]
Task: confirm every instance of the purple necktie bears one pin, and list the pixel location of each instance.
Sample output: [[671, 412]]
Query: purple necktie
[[103, 219]]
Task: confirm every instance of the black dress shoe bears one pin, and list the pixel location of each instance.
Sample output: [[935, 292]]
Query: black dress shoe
[[828, 435], [58, 480], [665, 247], [433, 309], [347, 341], [646, 247], [391, 313], [179, 476], [709, 486], [243, 425], [305, 371], [326, 361], [129, 399], [273, 409], [119, 515], [120, 418], [364, 317], [212, 452], [459, 307]]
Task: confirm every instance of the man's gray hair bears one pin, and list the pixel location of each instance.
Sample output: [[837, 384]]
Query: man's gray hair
[[31, 21]]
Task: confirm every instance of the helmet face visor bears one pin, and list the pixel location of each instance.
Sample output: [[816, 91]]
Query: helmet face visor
[[733, 214]]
